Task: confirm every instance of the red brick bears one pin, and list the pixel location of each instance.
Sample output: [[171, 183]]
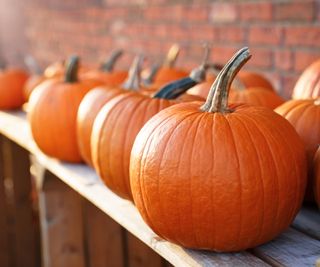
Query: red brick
[[261, 58], [302, 59], [294, 10], [265, 35], [284, 60], [223, 12], [303, 35], [261, 11], [233, 34], [221, 54], [196, 13]]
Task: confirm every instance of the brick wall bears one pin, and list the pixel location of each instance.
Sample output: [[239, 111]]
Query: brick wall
[[284, 35]]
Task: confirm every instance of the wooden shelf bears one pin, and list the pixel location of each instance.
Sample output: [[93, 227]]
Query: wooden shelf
[[295, 247]]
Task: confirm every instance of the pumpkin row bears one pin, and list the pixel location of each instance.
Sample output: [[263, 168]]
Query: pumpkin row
[[188, 165]]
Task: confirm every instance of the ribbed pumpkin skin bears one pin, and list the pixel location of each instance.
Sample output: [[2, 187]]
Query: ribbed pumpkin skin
[[31, 84], [53, 111], [87, 112], [11, 88], [256, 96], [308, 85], [114, 132], [167, 74], [114, 78], [304, 116], [252, 79], [317, 176], [224, 182]]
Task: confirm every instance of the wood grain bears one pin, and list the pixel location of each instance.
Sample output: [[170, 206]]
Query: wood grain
[[4, 246], [61, 224], [308, 221], [292, 248], [17, 168], [103, 238]]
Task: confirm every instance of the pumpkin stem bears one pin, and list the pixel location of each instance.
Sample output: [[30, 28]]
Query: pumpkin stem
[[217, 100], [153, 71], [108, 65], [179, 87], [72, 66], [32, 64], [133, 80], [172, 56]]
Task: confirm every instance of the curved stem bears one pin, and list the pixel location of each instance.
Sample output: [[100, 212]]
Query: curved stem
[[72, 66], [133, 80], [153, 71], [217, 100], [108, 65], [172, 56]]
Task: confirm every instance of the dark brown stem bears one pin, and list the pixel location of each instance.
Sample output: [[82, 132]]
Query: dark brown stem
[[108, 65], [172, 56], [217, 100], [133, 80], [72, 67]]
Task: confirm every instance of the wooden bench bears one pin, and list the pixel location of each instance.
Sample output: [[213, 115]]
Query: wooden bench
[[83, 223]]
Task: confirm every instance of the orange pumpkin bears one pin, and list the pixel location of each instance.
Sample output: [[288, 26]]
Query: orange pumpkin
[[56, 69], [11, 88], [256, 96], [192, 175], [106, 74], [249, 79], [304, 116], [308, 84], [32, 82], [52, 113], [317, 176], [92, 104]]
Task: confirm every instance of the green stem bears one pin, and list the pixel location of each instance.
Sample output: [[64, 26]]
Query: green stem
[[217, 100], [108, 65], [72, 67]]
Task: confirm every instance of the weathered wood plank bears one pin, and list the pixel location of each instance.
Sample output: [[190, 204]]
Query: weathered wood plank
[[292, 248], [308, 221], [140, 254], [61, 224], [17, 168], [4, 247], [103, 238]]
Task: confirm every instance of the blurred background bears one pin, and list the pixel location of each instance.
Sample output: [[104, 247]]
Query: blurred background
[[284, 36]]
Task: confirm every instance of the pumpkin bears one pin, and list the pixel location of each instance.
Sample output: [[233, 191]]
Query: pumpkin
[[52, 113], [256, 96], [32, 82], [11, 88], [106, 73], [317, 176], [218, 177], [304, 115], [92, 104], [167, 72], [118, 123], [56, 69], [308, 84], [249, 79]]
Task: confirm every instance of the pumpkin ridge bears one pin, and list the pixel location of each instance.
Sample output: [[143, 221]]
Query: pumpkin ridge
[[212, 191], [141, 181], [161, 159], [244, 123], [132, 120], [235, 149], [196, 122], [294, 207], [144, 161], [294, 109]]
